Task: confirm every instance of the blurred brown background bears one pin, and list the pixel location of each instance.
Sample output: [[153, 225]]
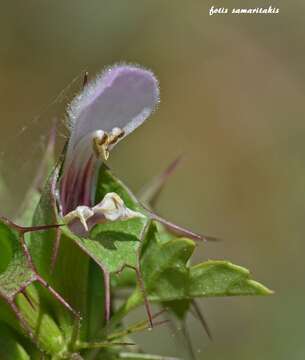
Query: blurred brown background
[[232, 101]]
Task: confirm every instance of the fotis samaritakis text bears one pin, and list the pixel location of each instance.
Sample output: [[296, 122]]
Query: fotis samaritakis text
[[271, 10]]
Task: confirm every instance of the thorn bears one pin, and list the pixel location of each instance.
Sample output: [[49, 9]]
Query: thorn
[[150, 193], [178, 230], [23, 230], [142, 288], [36, 277], [26, 229], [188, 341], [173, 166], [208, 238], [140, 278], [100, 345], [26, 252], [107, 308], [57, 296], [159, 313], [146, 302], [160, 323], [202, 320], [39, 228]]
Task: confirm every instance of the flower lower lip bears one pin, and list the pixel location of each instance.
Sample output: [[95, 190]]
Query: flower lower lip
[[111, 208]]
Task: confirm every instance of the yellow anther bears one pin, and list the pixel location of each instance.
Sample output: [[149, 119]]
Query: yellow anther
[[115, 135], [101, 144]]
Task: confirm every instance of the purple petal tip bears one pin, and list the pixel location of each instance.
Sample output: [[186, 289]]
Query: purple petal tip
[[122, 96]]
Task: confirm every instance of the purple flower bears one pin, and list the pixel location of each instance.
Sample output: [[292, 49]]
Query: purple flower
[[106, 111]]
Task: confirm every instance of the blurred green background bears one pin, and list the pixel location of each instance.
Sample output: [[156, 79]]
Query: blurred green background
[[232, 101]]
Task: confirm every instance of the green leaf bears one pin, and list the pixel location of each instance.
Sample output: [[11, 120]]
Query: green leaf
[[168, 277], [10, 348], [164, 260], [71, 285], [16, 277], [113, 244], [126, 279], [116, 244], [69, 278], [49, 336], [16, 272], [108, 182], [95, 301], [222, 278], [164, 265]]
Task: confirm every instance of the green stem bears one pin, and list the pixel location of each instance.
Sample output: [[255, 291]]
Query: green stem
[[135, 300], [81, 345], [137, 327]]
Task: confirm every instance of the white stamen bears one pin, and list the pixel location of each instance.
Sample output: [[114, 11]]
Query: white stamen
[[112, 208], [82, 213], [116, 132]]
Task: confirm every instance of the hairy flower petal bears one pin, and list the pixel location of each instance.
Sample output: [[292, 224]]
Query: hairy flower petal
[[123, 96], [107, 110]]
